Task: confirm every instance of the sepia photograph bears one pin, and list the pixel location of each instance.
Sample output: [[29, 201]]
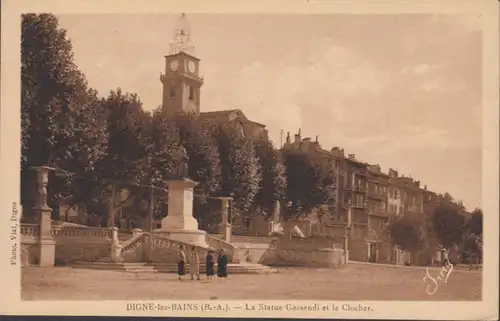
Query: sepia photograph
[[254, 163]]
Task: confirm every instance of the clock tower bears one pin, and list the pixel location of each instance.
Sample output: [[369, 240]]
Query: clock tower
[[181, 80]]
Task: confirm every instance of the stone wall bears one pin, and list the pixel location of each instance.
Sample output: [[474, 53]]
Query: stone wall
[[72, 249], [30, 253], [306, 252]]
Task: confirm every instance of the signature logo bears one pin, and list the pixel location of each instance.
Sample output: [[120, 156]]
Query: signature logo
[[432, 283]]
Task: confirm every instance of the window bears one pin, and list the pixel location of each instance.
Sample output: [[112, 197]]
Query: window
[[172, 92], [192, 93]]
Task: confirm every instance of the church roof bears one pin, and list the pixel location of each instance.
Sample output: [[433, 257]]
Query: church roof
[[236, 113]]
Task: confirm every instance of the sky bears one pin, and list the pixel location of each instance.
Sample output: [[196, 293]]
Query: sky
[[402, 90]]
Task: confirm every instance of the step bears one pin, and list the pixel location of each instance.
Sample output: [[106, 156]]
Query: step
[[124, 267], [232, 268]]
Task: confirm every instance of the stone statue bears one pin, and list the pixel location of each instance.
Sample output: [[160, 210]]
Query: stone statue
[[182, 159]]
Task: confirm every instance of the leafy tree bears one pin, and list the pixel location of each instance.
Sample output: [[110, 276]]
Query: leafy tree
[[406, 232], [126, 162], [475, 222], [239, 167], [448, 222], [471, 247], [310, 185], [61, 122], [204, 162], [272, 186], [198, 137]]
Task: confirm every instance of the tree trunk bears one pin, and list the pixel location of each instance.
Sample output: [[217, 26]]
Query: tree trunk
[[111, 207]]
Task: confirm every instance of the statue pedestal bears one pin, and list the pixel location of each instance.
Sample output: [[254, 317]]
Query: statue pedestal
[[179, 224]]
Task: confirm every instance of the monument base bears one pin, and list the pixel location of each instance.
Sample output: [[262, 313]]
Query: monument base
[[193, 237], [47, 252]]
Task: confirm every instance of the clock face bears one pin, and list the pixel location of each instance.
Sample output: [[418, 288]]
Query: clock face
[[191, 66], [174, 65]]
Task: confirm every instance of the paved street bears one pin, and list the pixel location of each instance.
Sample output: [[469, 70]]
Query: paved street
[[355, 282]]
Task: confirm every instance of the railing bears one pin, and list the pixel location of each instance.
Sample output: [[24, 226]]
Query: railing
[[157, 241], [81, 232], [30, 230], [68, 231], [217, 243]]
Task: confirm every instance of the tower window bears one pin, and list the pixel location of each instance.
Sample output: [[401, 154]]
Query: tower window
[[172, 92], [192, 93]]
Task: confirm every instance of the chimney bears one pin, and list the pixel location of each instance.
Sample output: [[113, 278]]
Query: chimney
[[352, 156], [288, 140], [425, 187], [297, 138], [317, 138]]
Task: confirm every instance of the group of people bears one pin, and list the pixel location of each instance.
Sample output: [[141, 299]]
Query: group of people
[[194, 264]]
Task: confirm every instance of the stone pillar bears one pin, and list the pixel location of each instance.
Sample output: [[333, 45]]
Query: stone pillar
[[225, 227], [179, 224], [45, 243], [116, 248]]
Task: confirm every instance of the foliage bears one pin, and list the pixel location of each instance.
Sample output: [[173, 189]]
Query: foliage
[[310, 185], [475, 222], [406, 232], [448, 222], [239, 167], [61, 123], [204, 163], [125, 164], [198, 138], [272, 186], [471, 246]]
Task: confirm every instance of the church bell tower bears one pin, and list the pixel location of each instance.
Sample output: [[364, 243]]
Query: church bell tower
[[181, 80]]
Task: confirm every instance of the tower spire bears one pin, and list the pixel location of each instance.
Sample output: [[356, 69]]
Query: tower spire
[[182, 37]]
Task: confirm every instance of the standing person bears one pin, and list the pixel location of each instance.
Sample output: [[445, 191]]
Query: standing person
[[446, 259], [181, 263], [222, 265], [209, 263], [194, 264]]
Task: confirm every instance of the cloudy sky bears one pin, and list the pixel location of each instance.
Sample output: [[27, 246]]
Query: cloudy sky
[[402, 91]]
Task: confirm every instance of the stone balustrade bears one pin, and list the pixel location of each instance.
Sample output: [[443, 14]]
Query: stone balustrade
[[81, 232], [30, 230], [217, 244]]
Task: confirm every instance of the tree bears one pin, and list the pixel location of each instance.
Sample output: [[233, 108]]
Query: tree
[[239, 166], [126, 163], [272, 186], [448, 222], [198, 137], [204, 162], [471, 247], [475, 222], [309, 183], [406, 232], [61, 122]]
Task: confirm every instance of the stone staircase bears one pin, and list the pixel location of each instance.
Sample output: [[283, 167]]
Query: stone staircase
[[232, 268], [104, 262]]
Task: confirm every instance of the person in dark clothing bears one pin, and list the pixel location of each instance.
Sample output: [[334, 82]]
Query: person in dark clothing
[[222, 265], [181, 263], [209, 263]]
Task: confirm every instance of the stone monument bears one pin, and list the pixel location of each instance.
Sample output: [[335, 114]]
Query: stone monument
[[46, 244], [179, 224]]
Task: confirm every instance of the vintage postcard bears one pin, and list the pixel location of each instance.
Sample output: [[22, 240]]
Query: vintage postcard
[[293, 159]]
